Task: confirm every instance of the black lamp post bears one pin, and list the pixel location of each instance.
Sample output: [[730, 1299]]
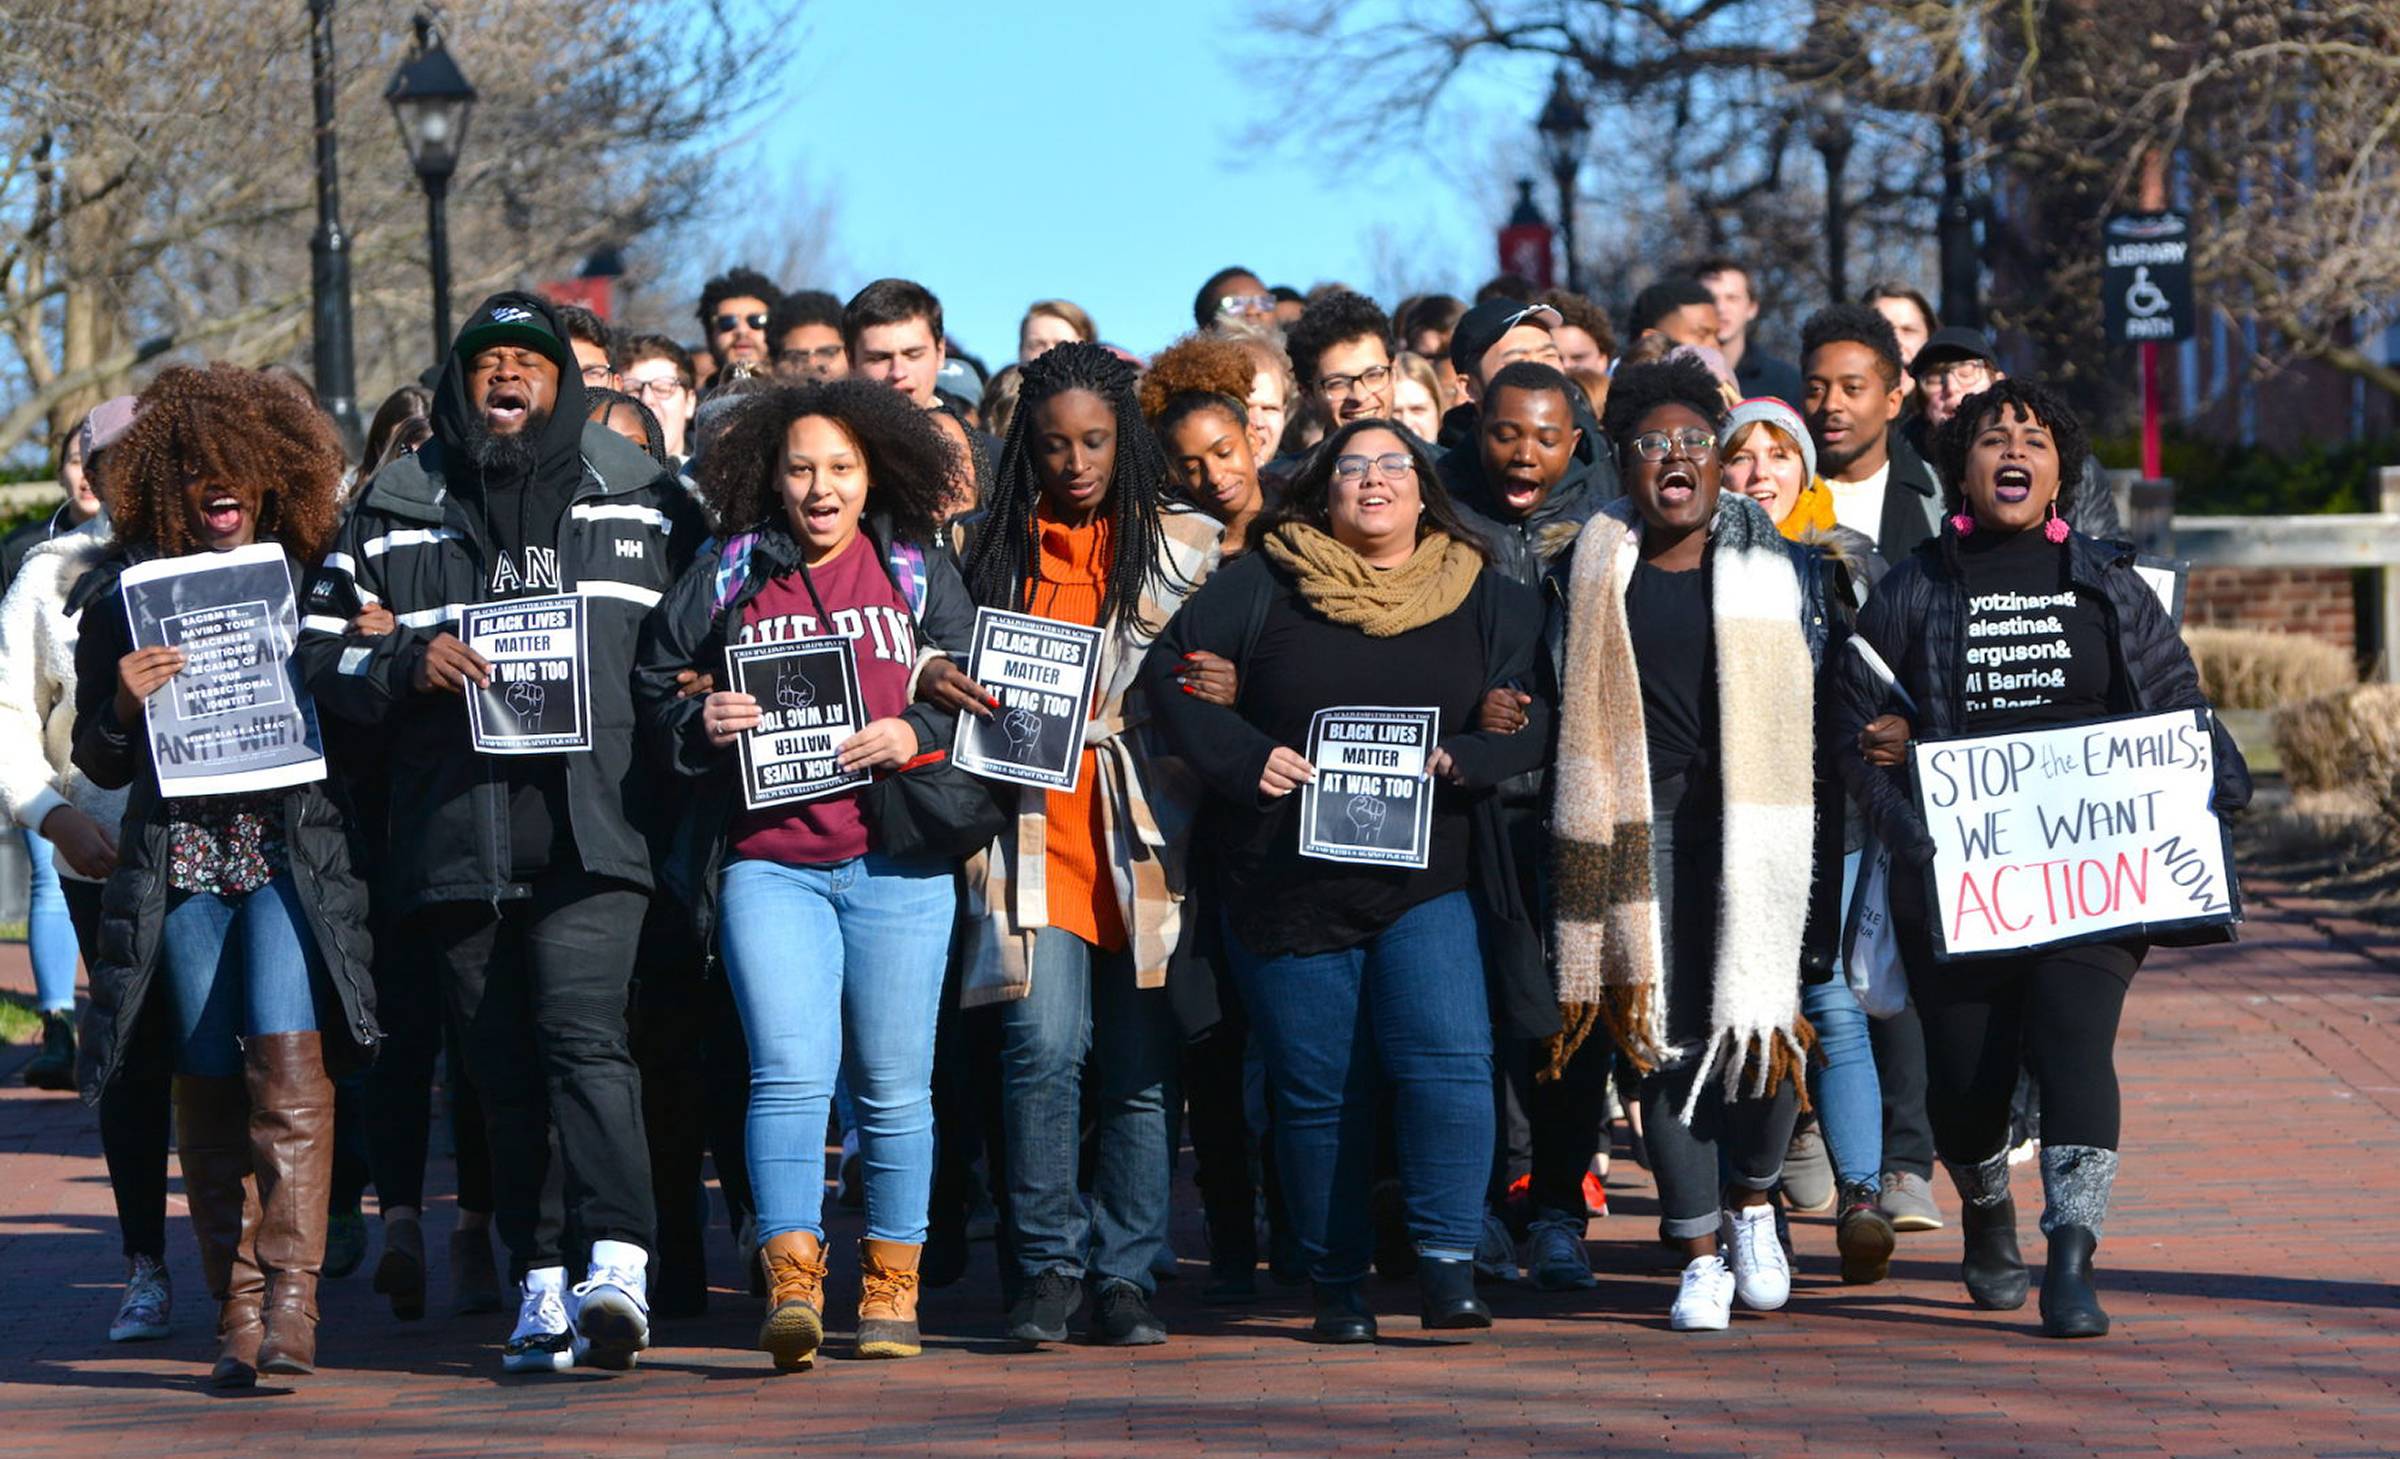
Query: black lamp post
[[1566, 129], [329, 247], [432, 101], [1833, 139]]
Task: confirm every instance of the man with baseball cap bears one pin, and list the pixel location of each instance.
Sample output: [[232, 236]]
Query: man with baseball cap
[[526, 873], [1957, 362], [1487, 340]]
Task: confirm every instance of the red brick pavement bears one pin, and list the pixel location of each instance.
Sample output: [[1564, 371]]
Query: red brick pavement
[[2247, 1266]]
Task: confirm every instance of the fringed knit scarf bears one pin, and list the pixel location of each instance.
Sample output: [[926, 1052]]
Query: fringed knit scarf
[[1608, 913], [1378, 602]]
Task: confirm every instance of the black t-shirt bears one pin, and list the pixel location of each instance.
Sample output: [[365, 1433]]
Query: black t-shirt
[[1667, 615], [521, 525], [2038, 652], [1282, 903]]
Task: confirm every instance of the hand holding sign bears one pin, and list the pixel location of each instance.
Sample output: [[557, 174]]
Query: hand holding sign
[[727, 716], [944, 685], [141, 674], [1286, 771], [450, 666]]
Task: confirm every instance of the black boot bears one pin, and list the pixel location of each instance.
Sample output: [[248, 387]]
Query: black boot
[[54, 1066], [1446, 1293], [1994, 1269], [1232, 1255], [1342, 1315], [2070, 1308], [2077, 1181]]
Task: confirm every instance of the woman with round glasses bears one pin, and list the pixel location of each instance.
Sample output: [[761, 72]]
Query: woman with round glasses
[[1686, 843], [1367, 591]]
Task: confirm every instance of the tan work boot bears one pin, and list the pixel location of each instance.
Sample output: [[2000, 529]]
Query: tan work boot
[[795, 1266], [887, 1300]]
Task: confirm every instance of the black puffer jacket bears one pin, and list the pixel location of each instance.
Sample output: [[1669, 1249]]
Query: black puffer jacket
[[317, 837], [1523, 547], [1916, 622]]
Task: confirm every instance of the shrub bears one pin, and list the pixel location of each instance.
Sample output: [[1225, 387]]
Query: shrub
[[2347, 740], [2243, 668]]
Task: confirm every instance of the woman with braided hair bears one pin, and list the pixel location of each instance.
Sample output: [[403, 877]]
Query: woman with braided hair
[[1075, 910]]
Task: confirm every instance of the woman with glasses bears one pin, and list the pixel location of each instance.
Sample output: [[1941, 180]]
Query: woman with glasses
[[1363, 981], [1686, 844]]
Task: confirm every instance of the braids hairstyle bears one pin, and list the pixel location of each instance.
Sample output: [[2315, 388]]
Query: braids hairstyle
[[224, 424], [601, 403], [908, 457], [1331, 320], [1005, 560], [1304, 500], [1853, 324], [1637, 390], [2022, 400]]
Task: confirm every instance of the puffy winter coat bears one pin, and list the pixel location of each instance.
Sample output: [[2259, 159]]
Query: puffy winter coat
[[37, 687]]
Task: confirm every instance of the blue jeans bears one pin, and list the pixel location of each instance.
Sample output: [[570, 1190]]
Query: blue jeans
[[236, 967], [49, 929], [1084, 1005], [1401, 1016], [1848, 1096], [870, 938]]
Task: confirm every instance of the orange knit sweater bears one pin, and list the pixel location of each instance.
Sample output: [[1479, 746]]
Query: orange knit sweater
[[1083, 900]]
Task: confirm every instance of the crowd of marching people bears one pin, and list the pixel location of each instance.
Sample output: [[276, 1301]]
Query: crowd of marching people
[[1645, 618]]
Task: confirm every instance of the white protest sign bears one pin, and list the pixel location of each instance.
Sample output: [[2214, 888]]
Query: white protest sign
[[2077, 834], [808, 704], [1371, 801], [235, 717], [540, 699], [1041, 672]]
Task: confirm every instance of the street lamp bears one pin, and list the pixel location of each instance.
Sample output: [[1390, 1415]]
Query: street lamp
[[1833, 138], [1566, 129], [431, 100], [329, 247]]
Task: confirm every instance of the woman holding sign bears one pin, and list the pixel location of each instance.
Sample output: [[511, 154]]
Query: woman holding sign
[[1364, 633], [233, 917], [814, 614], [2008, 622]]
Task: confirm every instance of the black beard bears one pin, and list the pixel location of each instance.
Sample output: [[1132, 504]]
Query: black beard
[[506, 456]]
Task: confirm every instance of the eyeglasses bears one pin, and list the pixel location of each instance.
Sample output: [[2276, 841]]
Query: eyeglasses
[[1246, 304], [726, 322], [1959, 374], [1659, 445], [1391, 466], [595, 374], [1339, 387], [824, 354], [663, 388]]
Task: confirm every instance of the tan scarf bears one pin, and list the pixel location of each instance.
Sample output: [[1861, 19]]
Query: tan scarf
[[1379, 602]]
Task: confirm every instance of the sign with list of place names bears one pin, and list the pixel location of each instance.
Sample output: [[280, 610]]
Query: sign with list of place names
[[808, 704], [1041, 672], [539, 701], [235, 717], [2085, 833], [1372, 800]]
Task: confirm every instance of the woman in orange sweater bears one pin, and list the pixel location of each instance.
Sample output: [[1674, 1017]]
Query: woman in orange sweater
[[1076, 908]]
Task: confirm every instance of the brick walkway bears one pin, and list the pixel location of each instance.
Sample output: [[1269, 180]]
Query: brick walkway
[[2248, 1267]]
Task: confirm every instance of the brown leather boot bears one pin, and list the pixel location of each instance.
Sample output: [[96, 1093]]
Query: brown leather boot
[[291, 1149], [795, 1325], [887, 1300], [212, 1120]]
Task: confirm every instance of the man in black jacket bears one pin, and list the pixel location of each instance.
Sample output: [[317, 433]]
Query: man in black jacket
[[1490, 339], [528, 871]]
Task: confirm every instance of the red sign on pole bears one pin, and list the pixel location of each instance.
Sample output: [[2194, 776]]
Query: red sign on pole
[[1525, 252], [595, 294]]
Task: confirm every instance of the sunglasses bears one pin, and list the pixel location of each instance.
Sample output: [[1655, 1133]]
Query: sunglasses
[[726, 323]]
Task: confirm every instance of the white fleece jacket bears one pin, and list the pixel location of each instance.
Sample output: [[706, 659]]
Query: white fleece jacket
[[37, 688]]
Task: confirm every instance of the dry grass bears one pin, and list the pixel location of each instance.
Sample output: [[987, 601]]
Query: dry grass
[[2243, 668], [2350, 742]]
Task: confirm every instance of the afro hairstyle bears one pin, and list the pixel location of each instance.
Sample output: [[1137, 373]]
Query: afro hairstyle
[[1202, 364], [1638, 390], [1329, 321]]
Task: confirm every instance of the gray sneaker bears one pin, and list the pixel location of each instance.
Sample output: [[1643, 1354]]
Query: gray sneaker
[[1908, 1201], [147, 1310], [1808, 1172]]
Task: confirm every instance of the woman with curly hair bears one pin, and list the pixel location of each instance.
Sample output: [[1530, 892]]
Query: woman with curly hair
[[1192, 396], [1077, 907], [233, 919], [831, 494], [2010, 580]]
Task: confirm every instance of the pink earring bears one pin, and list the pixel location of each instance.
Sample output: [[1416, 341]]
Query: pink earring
[[1963, 525], [2056, 528]]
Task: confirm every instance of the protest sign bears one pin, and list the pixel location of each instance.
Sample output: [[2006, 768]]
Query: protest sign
[[1041, 672], [235, 717], [539, 701], [1372, 801], [808, 703], [2083, 833]]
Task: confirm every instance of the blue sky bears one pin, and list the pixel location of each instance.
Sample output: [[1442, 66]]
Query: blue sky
[[1094, 151]]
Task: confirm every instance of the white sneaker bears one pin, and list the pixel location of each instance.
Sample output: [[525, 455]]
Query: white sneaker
[[612, 1305], [1762, 1275], [1557, 1257], [1496, 1253], [148, 1305], [544, 1341], [1705, 1301]]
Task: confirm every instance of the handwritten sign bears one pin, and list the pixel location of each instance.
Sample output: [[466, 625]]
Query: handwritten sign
[[235, 717], [1041, 672], [2084, 833], [540, 699], [808, 704], [1372, 801]]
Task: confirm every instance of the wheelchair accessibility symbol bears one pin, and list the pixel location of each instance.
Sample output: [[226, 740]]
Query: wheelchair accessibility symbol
[[2145, 299]]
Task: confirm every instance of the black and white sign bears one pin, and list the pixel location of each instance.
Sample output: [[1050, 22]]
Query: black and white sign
[[2169, 578], [540, 699], [1372, 801], [235, 717], [1041, 672], [808, 704], [2146, 282], [2044, 838]]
